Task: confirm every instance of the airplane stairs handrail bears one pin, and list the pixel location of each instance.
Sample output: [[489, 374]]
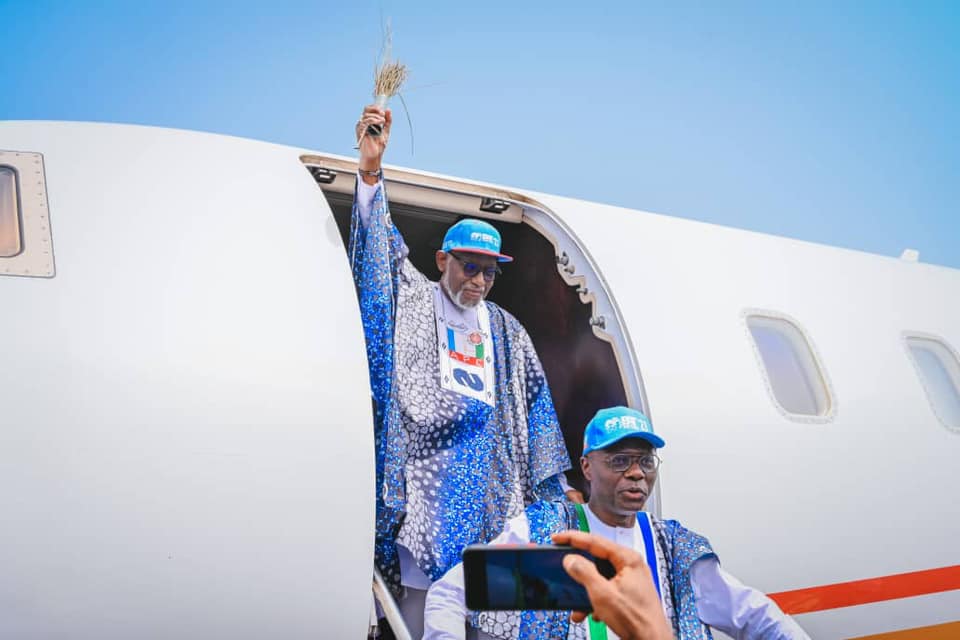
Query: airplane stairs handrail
[[390, 609]]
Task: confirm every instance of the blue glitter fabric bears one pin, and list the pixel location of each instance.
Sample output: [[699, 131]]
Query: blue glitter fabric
[[679, 549], [450, 470], [683, 547]]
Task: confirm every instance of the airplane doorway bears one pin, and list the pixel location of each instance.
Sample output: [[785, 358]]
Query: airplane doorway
[[585, 372]]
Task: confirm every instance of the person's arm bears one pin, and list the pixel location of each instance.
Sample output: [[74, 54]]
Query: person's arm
[[628, 603], [374, 240], [377, 258], [572, 494], [372, 147], [445, 612], [744, 613], [364, 199], [369, 165]]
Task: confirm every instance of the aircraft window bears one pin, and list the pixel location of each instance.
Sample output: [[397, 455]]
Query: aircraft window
[[26, 243], [794, 376], [9, 213], [939, 370]]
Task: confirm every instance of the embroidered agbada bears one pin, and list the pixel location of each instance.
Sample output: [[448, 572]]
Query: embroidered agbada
[[451, 469]]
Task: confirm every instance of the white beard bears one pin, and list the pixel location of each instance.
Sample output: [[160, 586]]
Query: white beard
[[457, 298]]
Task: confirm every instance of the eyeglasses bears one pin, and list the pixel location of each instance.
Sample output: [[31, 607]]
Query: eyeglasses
[[620, 462], [471, 269]]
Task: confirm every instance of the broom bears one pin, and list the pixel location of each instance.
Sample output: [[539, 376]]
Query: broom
[[389, 75], [389, 78]]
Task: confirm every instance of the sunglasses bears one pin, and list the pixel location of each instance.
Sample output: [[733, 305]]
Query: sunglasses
[[471, 269]]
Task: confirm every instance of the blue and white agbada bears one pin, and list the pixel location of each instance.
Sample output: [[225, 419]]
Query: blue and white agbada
[[451, 468]]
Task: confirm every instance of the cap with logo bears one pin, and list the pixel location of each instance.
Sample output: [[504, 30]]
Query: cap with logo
[[612, 425], [474, 236]]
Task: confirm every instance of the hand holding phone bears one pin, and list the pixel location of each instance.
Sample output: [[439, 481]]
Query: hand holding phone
[[525, 577]]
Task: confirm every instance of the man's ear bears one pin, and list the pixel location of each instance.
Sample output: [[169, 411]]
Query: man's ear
[[442, 258], [585, 467]]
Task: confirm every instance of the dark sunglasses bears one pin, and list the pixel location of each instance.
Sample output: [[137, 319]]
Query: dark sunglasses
[[471, 269]]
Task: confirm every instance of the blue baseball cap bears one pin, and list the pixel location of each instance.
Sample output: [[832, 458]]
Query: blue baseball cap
[[612, 425], [474, 236]]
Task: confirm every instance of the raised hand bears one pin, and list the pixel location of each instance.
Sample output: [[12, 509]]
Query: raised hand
[[371, 146]]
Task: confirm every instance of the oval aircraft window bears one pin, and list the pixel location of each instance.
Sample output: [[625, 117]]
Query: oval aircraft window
[[9, 214], [939, 371], [794, 377]]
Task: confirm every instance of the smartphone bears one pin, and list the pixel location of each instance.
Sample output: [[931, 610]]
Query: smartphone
[[524, 577]]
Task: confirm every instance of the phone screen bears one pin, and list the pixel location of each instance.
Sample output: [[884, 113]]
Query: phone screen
[[532, 577]]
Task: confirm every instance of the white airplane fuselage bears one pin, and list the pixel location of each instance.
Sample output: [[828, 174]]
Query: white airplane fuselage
[[186, 444]]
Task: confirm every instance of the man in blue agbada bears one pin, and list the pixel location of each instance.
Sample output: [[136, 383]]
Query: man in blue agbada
[[620, 464], [466, 432]]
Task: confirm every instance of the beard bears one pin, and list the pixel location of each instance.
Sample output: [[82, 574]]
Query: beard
[[457, 298]]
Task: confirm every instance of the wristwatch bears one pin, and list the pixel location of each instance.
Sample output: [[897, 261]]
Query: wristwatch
[[378, 174]]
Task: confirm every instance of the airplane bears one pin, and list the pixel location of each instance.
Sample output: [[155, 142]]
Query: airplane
[[186, 446]]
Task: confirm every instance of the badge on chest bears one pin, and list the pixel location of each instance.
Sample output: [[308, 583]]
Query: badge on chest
[[466, 357]]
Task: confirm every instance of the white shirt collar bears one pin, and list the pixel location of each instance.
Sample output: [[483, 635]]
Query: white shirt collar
[[628, 536]]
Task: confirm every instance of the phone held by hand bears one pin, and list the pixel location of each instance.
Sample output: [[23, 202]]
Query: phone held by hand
[[524, 577]]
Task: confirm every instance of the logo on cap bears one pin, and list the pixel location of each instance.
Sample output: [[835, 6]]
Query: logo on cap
[[484, 237], [629, 423]]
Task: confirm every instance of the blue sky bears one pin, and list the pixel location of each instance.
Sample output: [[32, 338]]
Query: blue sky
[[830, 122]]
